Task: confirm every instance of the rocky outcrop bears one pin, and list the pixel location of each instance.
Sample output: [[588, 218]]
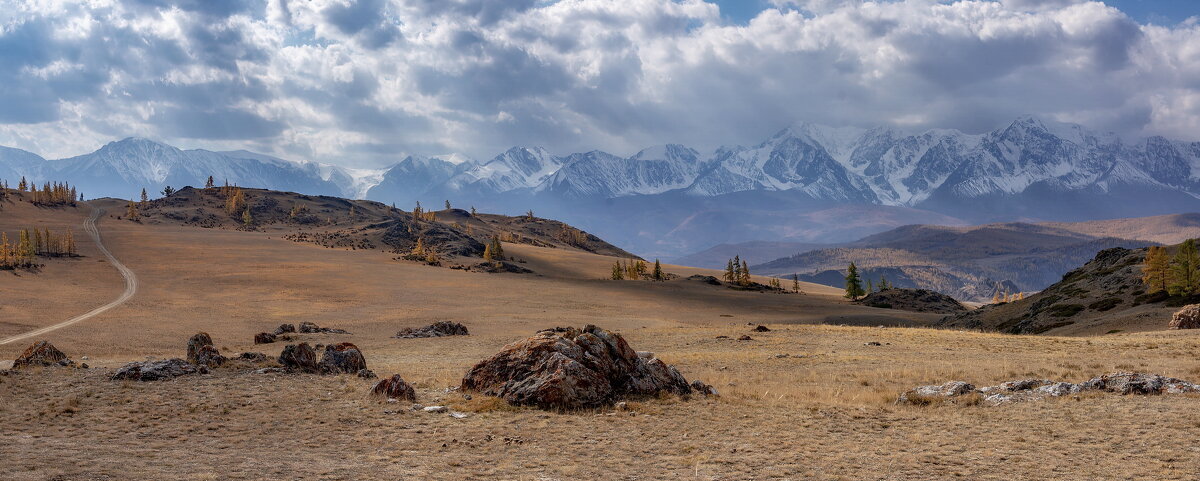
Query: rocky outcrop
[[194, 344], [437, 329], [299, 357], [1037, 389], [310, 328], [342, 358], [264, 338], [395, 388], [285, 329], [42, 353], [571, 368], [208, 356], [1186, 318], [157, 370], [699, 387]]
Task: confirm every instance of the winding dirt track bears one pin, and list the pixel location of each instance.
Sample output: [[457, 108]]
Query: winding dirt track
[[131, 284]]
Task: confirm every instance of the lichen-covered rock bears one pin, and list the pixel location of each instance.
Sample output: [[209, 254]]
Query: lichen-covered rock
[[157, 370], [925, 394], [285, 329], [42, 353], [254, 357], [395, 388], [437, 329], [299, 357], [1186, 318], [342, 358], [572, 368], [1136, 383], [195, 343], [264, 338]]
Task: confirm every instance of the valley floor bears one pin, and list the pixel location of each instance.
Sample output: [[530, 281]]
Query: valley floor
[[806, 400]]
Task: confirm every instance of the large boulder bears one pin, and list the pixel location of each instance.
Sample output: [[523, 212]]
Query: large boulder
[[342, 358], [156, 370], [1186, 318], [571, 368], [395, 388], [42, 353], [437, 329], [935, 392], [195, 343], [1138, 383], [311, 328], [299, 357]]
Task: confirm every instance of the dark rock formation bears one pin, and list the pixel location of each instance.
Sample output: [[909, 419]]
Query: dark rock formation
[[311, 328], [437, 329], [209, 356], [285, 329], [195, 343], [395, 388], [342, 358], [299, 357], [571, 368], [157, 370], [42, 353], [264, 338]]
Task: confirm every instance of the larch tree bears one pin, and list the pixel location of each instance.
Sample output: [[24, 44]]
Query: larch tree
[[744, 279], [209, 183], [854, 287], [145, 198], [795, 283], [618, 273], [1157, 271]]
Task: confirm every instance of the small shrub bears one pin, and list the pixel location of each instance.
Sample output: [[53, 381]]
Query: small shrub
[[1105, 304]]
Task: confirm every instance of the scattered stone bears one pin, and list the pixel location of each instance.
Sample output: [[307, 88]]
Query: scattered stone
[[1124, 383], [252, 357], [762, 328], [42, 353], [342, 358], [310, 328], [745, 338], [704, 389], [195, 343], [872, 343], [1186, 318], [157, 370], [300, 357], [264, 338], [435, 409], [395, 388], [458, 415], [571, 368], [621, 406], [270, 370], [366, 374], [285, 329], [437, 329], [722, 337]]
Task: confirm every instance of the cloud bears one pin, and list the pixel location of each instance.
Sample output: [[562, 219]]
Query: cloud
[[362, 82]]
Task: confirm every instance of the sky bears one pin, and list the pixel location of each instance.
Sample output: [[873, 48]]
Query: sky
[[362, 83]]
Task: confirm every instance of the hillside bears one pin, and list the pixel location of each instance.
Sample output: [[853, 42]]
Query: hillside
[[754, 252], [973, 263], [359, 224], [1105, 295]]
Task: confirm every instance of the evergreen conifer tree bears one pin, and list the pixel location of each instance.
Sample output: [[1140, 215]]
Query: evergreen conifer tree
[[854, 288]]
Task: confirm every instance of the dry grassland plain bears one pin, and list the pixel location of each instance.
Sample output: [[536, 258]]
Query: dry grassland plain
[[807, 400]]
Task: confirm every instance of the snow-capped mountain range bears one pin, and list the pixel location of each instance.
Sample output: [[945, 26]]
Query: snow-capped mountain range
[[1027, 169]]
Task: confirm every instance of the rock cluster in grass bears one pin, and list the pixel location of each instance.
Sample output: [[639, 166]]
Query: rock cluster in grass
[[1186, 318], [437, 329], [42, 353], [1038, 389], [568, 368], [340, 358]]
